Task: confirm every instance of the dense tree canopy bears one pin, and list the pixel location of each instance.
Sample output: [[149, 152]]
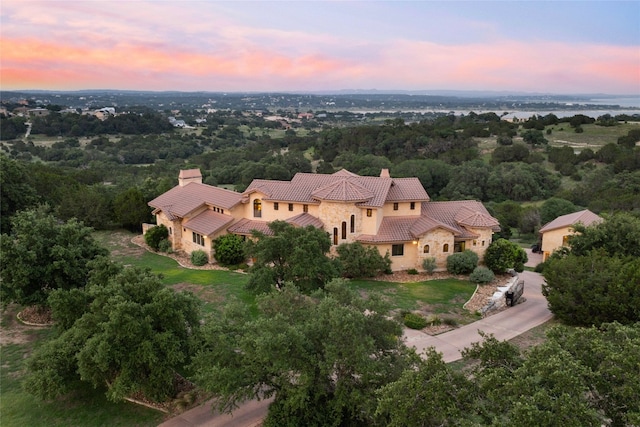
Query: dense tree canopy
[[321, 358], [290, 254], [596, 280], [502, 255], [42, 254], [125, 331], [16, 193]]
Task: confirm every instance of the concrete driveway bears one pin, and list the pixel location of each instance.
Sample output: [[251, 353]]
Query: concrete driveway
[[504, 325]]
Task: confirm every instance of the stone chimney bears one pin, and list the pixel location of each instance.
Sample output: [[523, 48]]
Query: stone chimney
[[189, 175], [384, 173]]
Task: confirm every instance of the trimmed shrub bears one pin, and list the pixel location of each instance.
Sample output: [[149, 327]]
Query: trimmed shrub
[[155, 235], [199, 258], [414, 321], [229, 249], [357, 260], [482, 275], [503, 254], [165, 246], [462, 262], [412, 271], [429, 265]]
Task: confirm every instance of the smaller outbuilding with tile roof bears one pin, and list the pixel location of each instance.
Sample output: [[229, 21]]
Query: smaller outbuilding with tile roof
[[555, 234]]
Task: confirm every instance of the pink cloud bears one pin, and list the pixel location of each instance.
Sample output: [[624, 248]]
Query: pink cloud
[[553, 67]]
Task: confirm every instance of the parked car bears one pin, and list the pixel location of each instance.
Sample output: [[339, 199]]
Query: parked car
[[536, 249]]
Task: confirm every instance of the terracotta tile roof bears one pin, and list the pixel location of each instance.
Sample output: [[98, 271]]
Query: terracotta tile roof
[[246, 226], [208, 222], [476, 219], [407, 228], [461, 213], [586, 217], [179, 201], [366, 191], [344, 190], [304, 219], [407, 189], [392, 229], [424, 224]]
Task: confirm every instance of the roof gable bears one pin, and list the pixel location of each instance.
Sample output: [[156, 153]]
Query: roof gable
[[585, 217], [181, 200], [344, 186]]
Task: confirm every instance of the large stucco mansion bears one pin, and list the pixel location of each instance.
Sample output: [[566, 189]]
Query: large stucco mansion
[[393, 214]]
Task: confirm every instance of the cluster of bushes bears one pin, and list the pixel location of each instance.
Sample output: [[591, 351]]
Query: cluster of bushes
[[357, 260]]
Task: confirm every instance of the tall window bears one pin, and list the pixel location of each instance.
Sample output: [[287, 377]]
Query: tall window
[[344, 230], [305, 208], [445, 248], [276, 206], [425, 249], [413, 205], [257, 208], [395, 206], [290, 206], [369, 212], [198, 238], [335, 235], [353, 223], [397, 250]]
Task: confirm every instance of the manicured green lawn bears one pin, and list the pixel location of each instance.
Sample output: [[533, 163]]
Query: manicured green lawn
[[217, 286], [442, 295]]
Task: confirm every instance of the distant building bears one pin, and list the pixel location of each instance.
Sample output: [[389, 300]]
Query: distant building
[[38, 112], [393, 215], [556, 233]]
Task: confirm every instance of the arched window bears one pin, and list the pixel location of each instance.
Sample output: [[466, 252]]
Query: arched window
[[353, 223], [425, 249], [335, 235], [257, 208], [445, 248], [344, 230]]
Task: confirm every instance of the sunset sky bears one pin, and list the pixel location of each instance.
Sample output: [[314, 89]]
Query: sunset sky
[[532, 46]]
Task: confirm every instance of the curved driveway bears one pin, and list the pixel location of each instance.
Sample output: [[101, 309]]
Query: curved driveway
[[505, 325]]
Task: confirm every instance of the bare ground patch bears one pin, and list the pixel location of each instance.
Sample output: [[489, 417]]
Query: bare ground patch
[[13, 331]]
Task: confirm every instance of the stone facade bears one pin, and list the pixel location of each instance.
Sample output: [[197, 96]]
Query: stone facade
[[349, 208]]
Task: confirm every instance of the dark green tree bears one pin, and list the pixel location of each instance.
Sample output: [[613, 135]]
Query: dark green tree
[[534, 137], [357, 260], [593, 288], [502, 255], [431, 395], [155, 235], [555, 207], [131, 334], [321, 358], [43, 254], [16, 191], [131, 209], [618, 235], [229, 249], [290, 254]]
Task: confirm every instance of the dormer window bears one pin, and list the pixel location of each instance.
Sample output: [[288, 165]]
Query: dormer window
[[412, 206]]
